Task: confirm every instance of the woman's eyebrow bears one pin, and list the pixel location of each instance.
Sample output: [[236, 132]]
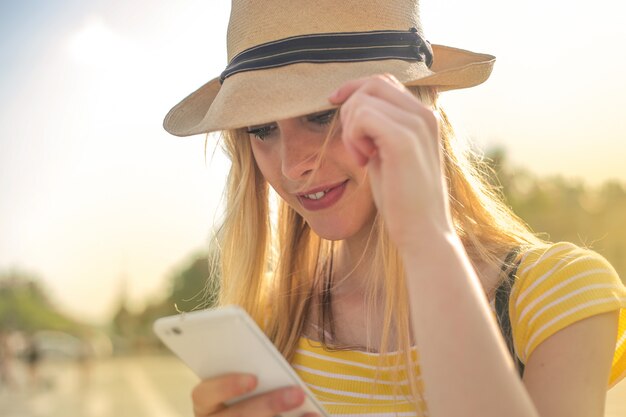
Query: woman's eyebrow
[[320, 113], [259, 126]]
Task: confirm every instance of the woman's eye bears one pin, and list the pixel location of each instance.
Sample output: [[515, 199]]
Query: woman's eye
[[323, 118], [261, 132]]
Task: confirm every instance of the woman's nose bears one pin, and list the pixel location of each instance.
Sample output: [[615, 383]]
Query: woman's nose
[[299, 153]]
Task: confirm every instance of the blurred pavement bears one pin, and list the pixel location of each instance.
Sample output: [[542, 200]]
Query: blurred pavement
[[136, 386], [150, 386]]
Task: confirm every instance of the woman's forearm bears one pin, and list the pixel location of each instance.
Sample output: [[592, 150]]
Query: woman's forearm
[[466, 368]]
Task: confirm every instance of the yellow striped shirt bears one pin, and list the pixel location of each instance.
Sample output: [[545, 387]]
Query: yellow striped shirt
[[555, 287], [558, 286], [355, 383]]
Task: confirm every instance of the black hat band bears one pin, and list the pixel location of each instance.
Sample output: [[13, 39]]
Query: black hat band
[[333, 47]]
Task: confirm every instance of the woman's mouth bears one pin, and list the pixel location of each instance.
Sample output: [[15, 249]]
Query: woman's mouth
[[316, 196], [322, 197]]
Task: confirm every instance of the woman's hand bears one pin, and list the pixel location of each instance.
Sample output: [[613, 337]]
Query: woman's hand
[[388, 129], [210, 395]]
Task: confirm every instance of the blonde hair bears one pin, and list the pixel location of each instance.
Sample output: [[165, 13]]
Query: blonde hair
[[277, 271]]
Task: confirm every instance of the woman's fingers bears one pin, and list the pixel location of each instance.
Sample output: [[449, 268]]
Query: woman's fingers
[[372, 126], [209, 398], [268, 404], [383, 95], [386, 127], [376, 82], [362, 153], [210, 395], [386, 87]]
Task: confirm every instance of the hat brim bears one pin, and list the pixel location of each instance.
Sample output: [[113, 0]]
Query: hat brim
[[263, 96]]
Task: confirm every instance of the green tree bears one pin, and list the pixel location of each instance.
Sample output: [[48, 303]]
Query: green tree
[[191, 287], [562, 209], [25, 306]]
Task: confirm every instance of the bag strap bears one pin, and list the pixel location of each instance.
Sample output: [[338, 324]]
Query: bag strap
[[503, 292]]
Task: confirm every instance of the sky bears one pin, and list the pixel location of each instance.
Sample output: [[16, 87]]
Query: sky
[[96, 198]]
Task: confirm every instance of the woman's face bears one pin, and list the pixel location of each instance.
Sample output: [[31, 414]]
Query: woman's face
[[332, 195]]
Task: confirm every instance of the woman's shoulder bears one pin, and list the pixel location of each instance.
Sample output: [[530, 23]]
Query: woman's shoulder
[[542, 264], [563, 274], [558, 284]]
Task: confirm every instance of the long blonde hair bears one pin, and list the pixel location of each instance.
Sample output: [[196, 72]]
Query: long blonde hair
[[276, 271]]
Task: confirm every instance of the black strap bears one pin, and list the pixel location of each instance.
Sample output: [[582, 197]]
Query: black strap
[[503, 293], [333, 47]]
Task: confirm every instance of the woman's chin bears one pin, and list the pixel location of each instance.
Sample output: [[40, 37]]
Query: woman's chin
[[344, 227], [332, 232]]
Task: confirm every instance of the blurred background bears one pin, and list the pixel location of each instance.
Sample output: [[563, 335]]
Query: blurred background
[[105, 219]]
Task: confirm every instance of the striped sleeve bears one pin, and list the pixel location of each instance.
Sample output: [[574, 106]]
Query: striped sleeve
[[559, 285]]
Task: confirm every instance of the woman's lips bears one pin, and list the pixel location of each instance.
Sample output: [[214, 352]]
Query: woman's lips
[[330, 196]]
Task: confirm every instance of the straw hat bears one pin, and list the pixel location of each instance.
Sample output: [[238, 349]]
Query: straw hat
[[287, 56]]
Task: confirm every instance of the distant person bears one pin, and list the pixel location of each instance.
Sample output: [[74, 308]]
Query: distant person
[[6, 361], [389, 245], [84, 360], [33, 356]]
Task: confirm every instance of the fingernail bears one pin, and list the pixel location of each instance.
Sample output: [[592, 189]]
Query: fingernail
[[246, 383], [334, 95], [293, 396]]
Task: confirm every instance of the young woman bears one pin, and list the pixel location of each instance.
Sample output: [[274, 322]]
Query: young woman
[[379, 272]]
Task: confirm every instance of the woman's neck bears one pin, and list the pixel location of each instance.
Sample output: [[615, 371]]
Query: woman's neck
[[353, 264]]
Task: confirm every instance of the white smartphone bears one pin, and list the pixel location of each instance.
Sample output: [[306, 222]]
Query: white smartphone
[[225, 340]]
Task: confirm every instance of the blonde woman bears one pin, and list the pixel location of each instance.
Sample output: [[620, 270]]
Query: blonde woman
[[391, 276]]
